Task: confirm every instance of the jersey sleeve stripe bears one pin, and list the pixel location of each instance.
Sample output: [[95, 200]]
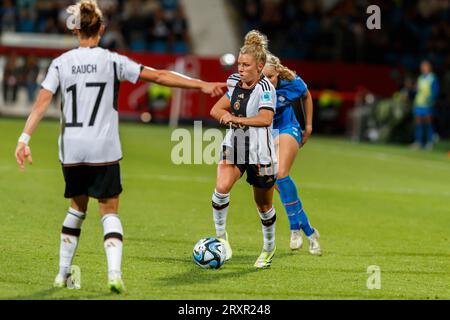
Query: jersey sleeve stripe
[[116, 88], [267, 108], [265, 84]]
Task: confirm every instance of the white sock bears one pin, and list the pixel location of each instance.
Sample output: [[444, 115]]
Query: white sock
[[220, 203], [69, 239], [113, 236], [268, 220]]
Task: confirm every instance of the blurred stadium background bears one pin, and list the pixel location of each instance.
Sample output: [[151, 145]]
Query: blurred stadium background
[[362, 80], [374, 204]]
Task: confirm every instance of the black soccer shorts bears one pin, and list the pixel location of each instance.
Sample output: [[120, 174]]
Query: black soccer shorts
[[100, 182], [258, 175]]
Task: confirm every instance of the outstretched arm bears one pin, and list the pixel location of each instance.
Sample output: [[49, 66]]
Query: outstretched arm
[[39, 108], [174, 79]]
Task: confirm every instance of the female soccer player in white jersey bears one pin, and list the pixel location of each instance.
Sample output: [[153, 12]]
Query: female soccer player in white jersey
[[248, 107], [89, 145], [289, 137]]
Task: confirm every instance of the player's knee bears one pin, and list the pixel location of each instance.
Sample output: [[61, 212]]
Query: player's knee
[[282, 173]]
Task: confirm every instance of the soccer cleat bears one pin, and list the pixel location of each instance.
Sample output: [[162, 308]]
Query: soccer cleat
[[115, 283], [265, 259], [296, 240], [314, 246], [226, 243], [60, 281]]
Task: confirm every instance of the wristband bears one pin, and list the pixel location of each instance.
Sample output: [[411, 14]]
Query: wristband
[[25, 138]]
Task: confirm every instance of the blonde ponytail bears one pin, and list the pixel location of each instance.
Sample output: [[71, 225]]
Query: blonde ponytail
[[284, 72]]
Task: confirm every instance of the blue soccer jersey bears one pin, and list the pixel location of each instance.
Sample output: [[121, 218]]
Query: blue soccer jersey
[[285, 120], [427, 93]]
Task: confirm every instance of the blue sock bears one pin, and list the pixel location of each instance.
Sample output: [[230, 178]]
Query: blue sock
[[430, 132], [290, 200], [419, 133], [304, 222], [294, 209]]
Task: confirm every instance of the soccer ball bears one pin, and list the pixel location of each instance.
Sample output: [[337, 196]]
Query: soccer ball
[[209, 253]]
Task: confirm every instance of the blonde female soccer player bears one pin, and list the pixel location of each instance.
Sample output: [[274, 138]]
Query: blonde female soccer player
[[89, 145], [248, 107], [289, 138]]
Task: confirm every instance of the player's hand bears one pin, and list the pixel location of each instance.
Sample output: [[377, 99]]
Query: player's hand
[[305, 135], [23, 152], [226, 119], [214, 89]]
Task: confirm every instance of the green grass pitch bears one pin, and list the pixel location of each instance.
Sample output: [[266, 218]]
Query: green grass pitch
[[373, 205]]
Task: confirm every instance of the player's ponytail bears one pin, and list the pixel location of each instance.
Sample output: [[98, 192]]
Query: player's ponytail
[[256, 44], [284, 72], [88, 17]]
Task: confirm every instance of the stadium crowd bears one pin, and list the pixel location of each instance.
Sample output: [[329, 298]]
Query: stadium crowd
[[138, 25], [313, 30]]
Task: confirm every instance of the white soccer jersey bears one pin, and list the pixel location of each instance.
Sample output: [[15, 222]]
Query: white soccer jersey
[[89, 81], [259, 146]]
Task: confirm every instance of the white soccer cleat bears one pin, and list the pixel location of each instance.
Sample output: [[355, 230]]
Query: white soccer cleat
[[60, 281], [226, 243], [296, 240], [265, 259], [115, 283], [314, 246]]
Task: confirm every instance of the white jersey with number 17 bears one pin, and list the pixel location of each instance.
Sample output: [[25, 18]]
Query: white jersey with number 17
[[89, 81]]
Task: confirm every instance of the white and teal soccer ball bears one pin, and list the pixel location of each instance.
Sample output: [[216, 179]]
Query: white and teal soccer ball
[[209, 253]]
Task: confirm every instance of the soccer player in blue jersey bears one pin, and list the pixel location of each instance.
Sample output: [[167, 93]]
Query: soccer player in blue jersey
[[427, 93], [289, 138]]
